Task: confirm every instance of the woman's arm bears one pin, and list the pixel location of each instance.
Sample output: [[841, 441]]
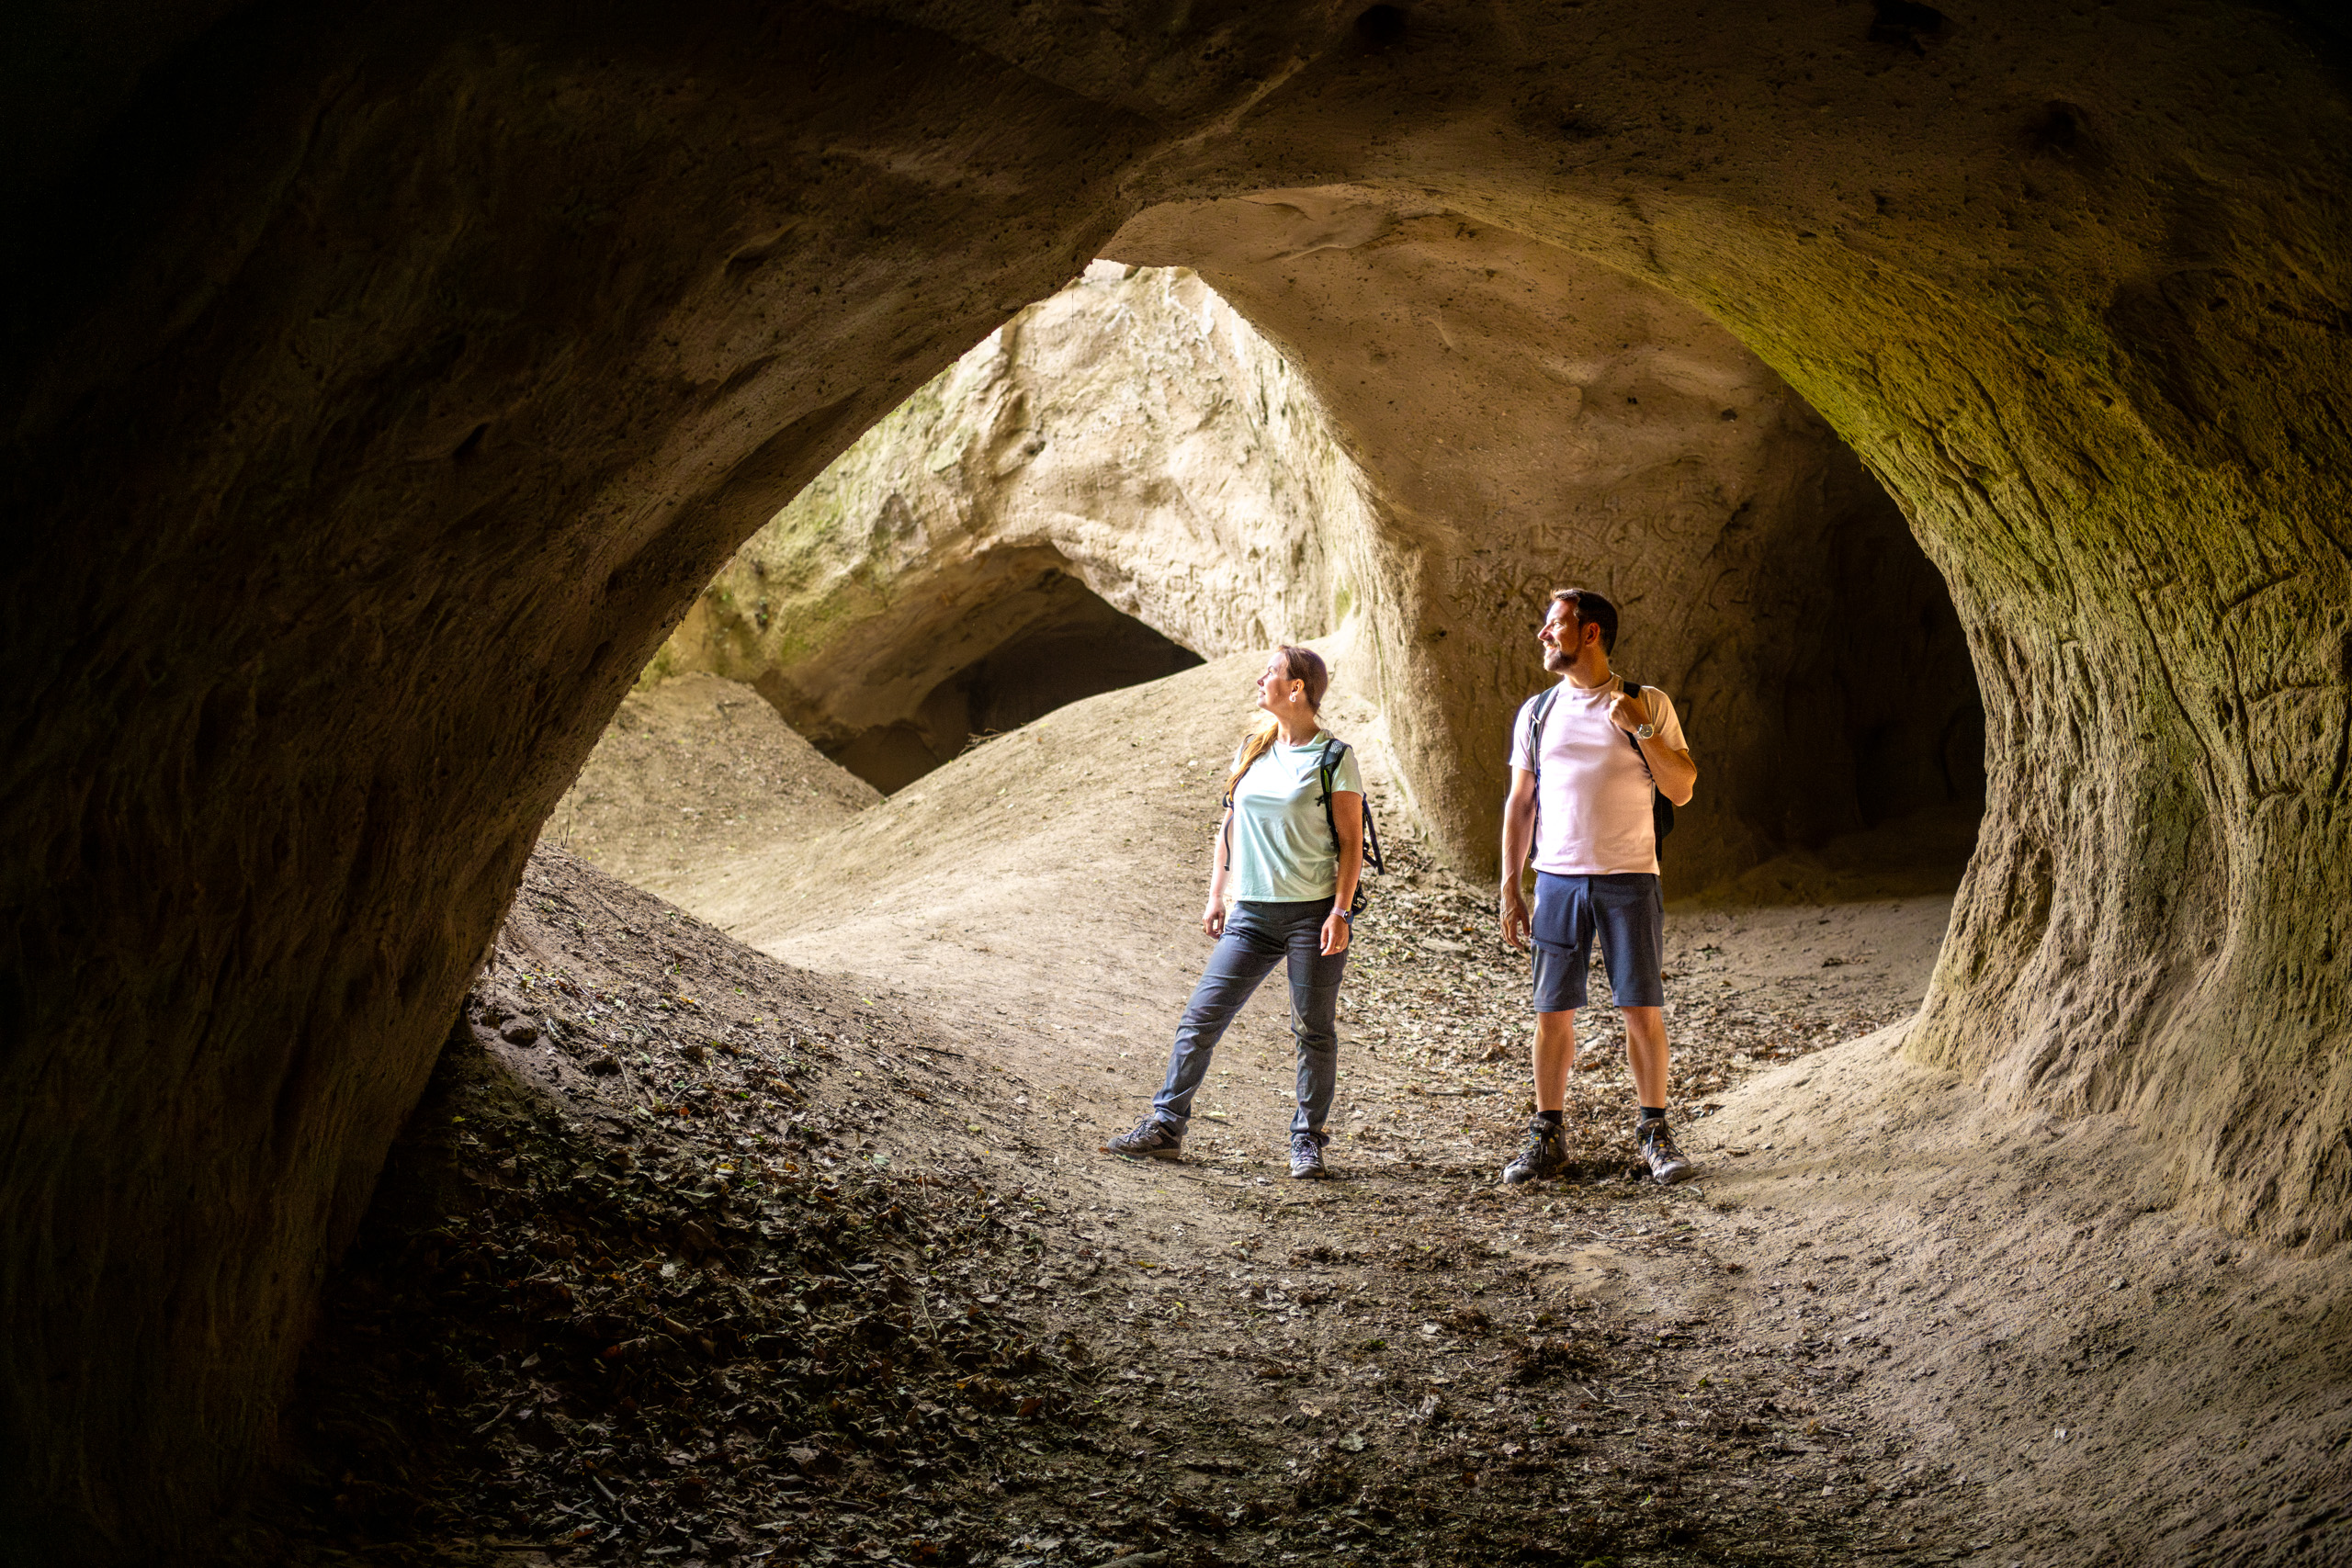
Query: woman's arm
[[1347, 820], [1213, 917]]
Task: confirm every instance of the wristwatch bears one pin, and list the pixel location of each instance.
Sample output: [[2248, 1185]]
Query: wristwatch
[[1347, 915], [1646, 732]]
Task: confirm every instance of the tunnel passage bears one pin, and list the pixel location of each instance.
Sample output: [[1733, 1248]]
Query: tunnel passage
[[385, 382], [1136, 421], [1061, 642]]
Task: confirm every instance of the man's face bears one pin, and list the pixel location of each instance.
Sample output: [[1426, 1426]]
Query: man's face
[[1560, 635]]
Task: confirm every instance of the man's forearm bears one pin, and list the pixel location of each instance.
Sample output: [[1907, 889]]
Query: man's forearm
[[1518, 841], [1673, 771]]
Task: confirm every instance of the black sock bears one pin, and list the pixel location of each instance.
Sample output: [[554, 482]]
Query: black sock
[[1652, 1114], [1550, 1116]]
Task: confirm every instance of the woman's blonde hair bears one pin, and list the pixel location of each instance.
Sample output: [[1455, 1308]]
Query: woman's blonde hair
[[1298, 664]]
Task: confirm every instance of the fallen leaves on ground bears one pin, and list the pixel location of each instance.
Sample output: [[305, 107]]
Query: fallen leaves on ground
[[702, 1271]]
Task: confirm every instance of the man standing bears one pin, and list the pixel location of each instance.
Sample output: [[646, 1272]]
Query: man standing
[[1585, 758]]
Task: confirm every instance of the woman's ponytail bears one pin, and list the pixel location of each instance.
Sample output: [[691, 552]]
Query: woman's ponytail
[[1253, 749]]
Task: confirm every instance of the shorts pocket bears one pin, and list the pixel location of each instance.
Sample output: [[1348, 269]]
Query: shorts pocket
[[1561, 912]]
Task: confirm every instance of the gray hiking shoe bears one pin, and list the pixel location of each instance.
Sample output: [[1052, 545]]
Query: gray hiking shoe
[[1668, 1163], [1306, 1155], [1150, 1140], [1545, 1155]]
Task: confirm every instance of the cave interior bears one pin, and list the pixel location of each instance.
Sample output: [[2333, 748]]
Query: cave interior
[[386, 382]]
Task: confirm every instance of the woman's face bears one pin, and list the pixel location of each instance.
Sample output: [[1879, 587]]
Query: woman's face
[[1276, 690]]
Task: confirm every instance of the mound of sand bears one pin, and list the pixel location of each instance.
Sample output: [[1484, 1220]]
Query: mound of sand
[[1060, 868], [691, 771]]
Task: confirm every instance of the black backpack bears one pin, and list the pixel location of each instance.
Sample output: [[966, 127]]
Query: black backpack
[[1327, 767], [1661, 808]]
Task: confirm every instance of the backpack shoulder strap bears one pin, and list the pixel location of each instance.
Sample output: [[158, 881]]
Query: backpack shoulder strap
[[1633, 689], [1536, 713], [1661, 808], [1327, 765], [1327, 772]]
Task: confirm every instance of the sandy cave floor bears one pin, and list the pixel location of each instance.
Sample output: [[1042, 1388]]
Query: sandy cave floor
[[731, 1260]]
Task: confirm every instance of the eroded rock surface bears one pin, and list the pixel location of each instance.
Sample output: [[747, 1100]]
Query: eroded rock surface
[[1536, 421], [1131, 448], [1127, 450]]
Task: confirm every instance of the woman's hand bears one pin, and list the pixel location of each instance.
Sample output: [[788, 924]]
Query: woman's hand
[[1336, 932], [1213, 918]]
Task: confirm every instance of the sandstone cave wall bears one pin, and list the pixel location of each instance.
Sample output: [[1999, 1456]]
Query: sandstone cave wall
[[1547, 421], [384, 385], [1127, 441], [1531, 419]]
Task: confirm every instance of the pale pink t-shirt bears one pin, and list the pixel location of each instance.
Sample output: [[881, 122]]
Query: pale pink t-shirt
[[1592, 808]]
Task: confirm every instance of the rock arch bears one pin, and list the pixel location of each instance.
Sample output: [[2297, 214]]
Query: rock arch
[[1530, 418], [383, 384], [1120, 481]]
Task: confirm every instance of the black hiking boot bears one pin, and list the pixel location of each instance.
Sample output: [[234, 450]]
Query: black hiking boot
[[1545, 1155], [1306, 1155], [1150, 1140], [1668, 1163]]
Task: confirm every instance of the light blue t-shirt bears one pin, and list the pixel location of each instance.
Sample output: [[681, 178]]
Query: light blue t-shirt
[[1282, 851]]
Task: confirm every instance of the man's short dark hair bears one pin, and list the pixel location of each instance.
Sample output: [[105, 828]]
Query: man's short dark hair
[[1590, 609]]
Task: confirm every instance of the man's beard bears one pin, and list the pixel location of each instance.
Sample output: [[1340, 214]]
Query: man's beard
[[1558, 662]]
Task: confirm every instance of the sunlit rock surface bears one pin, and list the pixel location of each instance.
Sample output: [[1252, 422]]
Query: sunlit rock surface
[[1540, 422], [1125, 457]]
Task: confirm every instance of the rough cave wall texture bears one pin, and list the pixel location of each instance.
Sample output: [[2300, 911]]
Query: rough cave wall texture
[[1130, 433], [1133, 434], [382, 387], [1537, 420]]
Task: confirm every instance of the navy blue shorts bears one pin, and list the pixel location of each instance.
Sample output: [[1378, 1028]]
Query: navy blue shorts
[[1628, 914]]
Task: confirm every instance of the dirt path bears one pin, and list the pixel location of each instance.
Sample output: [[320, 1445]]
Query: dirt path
[[1888, 1322], [1903, 1236], [692, 1257]]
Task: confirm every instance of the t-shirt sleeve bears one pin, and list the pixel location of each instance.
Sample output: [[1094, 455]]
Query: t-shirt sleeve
[[1347, 776], [1519, 753], [1668, 721]]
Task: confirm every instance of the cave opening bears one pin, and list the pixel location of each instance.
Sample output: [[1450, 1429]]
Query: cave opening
[[1906, 785], [1136, 435], [382, 424], [1058, 641]]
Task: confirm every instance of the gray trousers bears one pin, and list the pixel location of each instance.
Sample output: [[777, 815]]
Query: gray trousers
[[1257, 937]]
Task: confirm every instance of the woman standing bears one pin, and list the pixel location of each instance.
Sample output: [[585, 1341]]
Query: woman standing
[[1291, 866]]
